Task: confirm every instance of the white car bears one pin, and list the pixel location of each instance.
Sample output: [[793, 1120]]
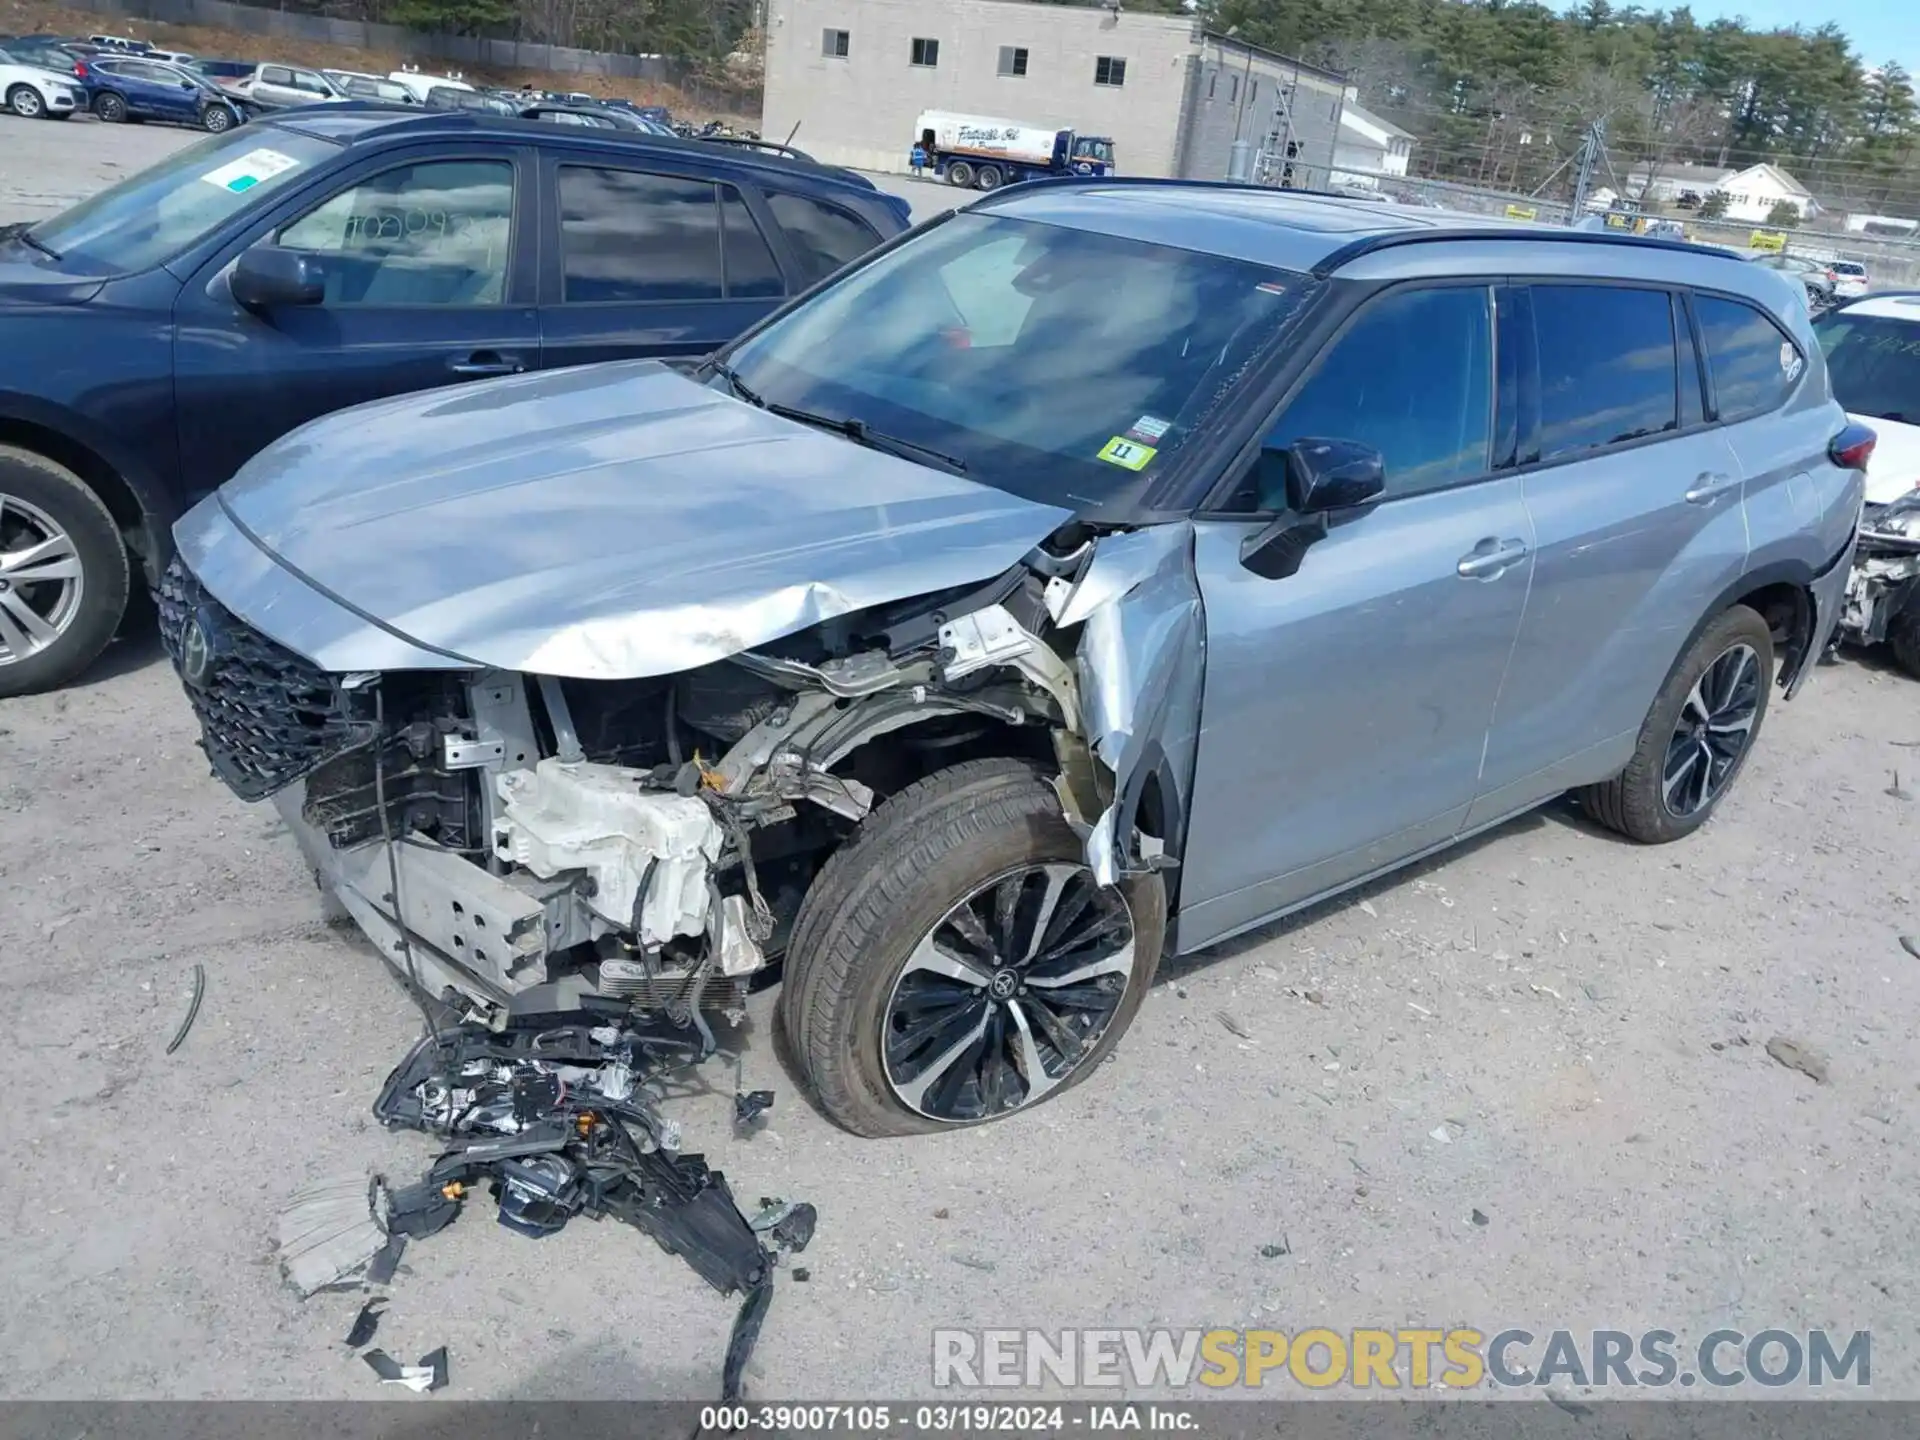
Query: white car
[[34, 93], [1850, 279], [417, 85]]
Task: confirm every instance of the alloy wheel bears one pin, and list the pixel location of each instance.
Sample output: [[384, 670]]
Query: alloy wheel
[[26, 103], [41, 581], [1003, 1000], [1715, 725]]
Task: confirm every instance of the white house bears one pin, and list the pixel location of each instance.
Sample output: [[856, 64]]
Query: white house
[[1367, 148], [1672, 182], [1751, 193]]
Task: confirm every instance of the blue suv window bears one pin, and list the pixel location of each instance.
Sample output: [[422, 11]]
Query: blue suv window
[[1754, 365], [1413, 378], [825, 236], [1607, 366]]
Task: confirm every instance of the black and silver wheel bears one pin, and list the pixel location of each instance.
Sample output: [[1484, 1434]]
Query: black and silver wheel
[[216, 118], [110, 107], [960, 174], [26, 102], [989, 177], [1696, 737], [1903, 638], [64, 574], [956, 962]]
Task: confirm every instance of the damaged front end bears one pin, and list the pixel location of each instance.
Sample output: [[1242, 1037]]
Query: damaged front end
[[523, 842], [1883, 592]]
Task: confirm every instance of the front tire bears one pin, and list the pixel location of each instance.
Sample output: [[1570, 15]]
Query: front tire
[[1696, 738], [216, 119], [954, 962], [960, 174], [64, 578], [110, 108], [26, 102]]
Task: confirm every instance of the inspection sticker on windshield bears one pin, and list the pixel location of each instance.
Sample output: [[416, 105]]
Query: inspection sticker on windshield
[[1122, 451], [1148, 430], [249, 170]]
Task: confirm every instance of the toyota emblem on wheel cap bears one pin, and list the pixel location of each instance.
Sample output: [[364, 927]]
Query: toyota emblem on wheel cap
[[196, 653]]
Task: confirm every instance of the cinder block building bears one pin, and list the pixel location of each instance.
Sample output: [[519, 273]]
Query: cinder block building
[[853, 75]]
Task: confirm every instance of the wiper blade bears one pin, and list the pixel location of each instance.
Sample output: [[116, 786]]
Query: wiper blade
[[861, 433], [22, 230], [726, 372]]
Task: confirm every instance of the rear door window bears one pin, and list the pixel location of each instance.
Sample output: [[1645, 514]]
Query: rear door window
[[1754, 365], [628, 236], [824, 236], [1607, 367]]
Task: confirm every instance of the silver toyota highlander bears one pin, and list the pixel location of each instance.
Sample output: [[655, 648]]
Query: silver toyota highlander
[[1092, 575]]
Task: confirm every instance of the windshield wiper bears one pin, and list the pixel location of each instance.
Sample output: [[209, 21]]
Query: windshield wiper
[[22, 230], [861, 433], [727, 373]]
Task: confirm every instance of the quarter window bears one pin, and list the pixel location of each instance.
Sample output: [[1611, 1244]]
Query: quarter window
[[1413, 378], [435, 233], [1607, 366], [1754, 365], [1110, 70], [926, 53], [752, 273], [834, 44], [824, 236], [1013, 60], [629, 236]]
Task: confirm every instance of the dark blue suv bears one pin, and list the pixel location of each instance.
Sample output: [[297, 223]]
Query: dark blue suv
[[131, 88], [160, 333]]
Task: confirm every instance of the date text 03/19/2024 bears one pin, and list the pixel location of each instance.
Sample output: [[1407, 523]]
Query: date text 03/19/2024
[[946, 1418]]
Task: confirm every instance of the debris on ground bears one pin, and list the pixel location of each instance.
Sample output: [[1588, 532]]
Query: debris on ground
[[424, 1376], [1232, 1025], [193, 1008], [941, 1213], [330, 1231], [802, 1274], [750, 1105], [1911, 944], [1480, 1217], [1896, 790], [1572, 1407], [1795, 1056], [1442, 1134], [366, 1322], [1274, 1252]]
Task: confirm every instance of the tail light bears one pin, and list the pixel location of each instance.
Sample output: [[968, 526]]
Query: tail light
[[1853, 447], [79, 69]]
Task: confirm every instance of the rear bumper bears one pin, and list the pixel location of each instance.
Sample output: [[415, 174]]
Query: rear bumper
[[1829, 590]]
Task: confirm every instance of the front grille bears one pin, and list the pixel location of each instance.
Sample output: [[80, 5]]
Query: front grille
[[267, 716]]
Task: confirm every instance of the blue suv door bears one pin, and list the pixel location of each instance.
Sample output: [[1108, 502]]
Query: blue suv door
[[429, 276], [645, 257]]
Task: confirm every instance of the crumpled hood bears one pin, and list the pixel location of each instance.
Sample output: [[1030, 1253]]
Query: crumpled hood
[[1894, 469], [611, 521]]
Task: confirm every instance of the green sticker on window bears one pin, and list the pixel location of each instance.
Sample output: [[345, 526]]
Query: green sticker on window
[[1126, 453]]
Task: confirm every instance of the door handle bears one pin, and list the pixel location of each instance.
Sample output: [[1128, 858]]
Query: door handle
[[487, 362], [1490, 558], [1709, 486]]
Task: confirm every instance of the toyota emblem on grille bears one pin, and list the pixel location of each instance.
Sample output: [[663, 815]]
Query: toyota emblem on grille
[[196, 653]]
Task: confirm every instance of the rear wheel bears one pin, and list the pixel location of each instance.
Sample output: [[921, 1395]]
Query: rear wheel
[[955, 961], [960, 174], [64, 573], [989, 177], [110, 107], [1903, 638], [25, 101], [1696, 737]]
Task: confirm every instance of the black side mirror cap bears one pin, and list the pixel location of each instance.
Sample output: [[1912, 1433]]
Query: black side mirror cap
[[268, 277], [1333, 475]]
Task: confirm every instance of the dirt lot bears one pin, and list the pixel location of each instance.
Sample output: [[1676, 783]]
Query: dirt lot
[[1583, 1021]]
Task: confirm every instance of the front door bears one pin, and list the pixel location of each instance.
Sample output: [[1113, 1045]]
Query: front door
[[1346, 706], [642, 264], [425, 286]]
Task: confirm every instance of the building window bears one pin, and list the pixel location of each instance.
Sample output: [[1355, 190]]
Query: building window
[[1013, 60], [833, 44], [926, 52], [1109, 70]]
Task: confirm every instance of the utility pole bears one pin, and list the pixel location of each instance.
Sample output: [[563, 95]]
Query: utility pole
[[1591, 149]]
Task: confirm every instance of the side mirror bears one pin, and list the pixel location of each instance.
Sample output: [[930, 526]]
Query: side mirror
[[267, 277], [1322, 476]]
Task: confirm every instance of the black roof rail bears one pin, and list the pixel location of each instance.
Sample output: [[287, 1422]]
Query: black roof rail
[[1439, 235], [1151, 182]]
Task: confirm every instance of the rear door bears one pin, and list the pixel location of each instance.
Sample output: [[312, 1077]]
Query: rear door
[[641, 261], [1635, 501], [429, 282]]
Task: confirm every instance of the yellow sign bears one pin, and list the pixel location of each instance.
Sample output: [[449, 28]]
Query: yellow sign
[[1522, 212], [1767, 240], [1124, 452]]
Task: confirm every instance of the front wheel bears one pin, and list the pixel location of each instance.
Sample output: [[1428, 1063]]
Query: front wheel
[[216, 118], [960, 174], [110, 107], [64, 573], [956, 961], [1697, 736], [25, 101]]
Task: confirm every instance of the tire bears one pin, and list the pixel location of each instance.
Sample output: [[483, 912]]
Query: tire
[[989, 177], [26, 102], [110, 107], [216, 119], [960, 175], [36, 493], [1634, 802], [1903, 638], [915, 860]]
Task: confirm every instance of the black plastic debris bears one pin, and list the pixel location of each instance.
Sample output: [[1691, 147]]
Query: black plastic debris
[[366, 1322], [787, 1223], [427, 1374], [193, 1010], [550, 1114], [750, 1105], [380, 1269]]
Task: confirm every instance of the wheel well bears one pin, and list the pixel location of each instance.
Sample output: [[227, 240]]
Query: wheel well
[[891, 761], [101, 478], [1789, 615]]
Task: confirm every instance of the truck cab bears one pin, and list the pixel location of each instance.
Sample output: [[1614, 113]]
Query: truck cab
[[1093, 155]]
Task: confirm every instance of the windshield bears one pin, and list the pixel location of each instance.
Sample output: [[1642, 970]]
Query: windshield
[[1874, 364], [1055, 363], [154, 215]]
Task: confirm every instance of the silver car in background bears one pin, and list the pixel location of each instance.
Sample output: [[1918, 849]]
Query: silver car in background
[[1092, 575]]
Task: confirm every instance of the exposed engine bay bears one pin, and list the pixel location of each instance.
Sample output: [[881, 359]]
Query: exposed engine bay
[[528, 843], [1883, 591]]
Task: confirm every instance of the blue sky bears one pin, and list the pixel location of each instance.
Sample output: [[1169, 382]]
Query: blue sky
[[1881, 29]]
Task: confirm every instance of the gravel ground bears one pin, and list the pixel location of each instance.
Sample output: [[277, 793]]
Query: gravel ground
[[1583, 1020]]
